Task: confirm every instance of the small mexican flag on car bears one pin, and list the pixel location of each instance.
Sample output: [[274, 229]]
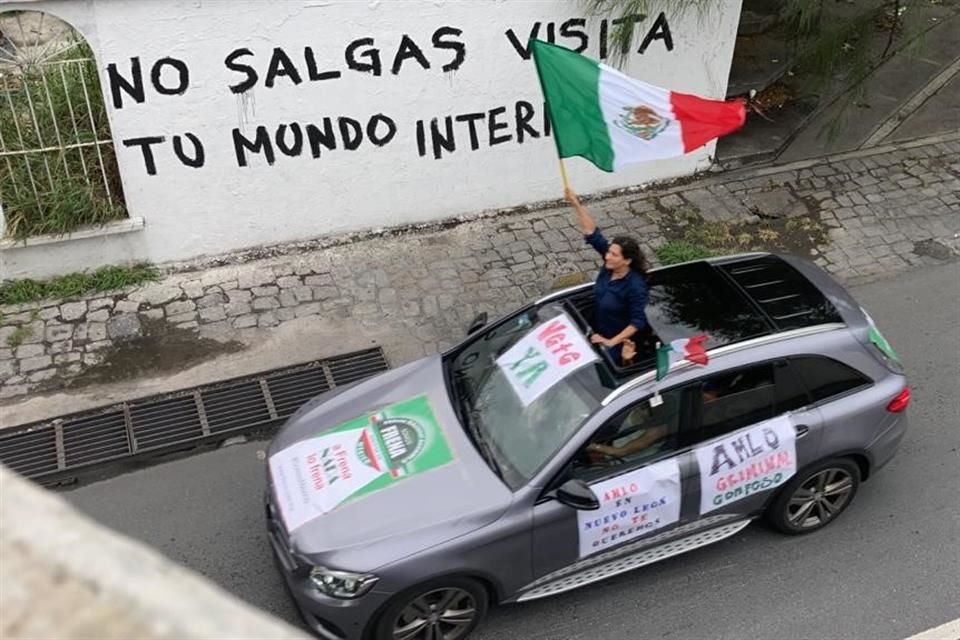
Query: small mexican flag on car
[[690, 349], [612, 120]]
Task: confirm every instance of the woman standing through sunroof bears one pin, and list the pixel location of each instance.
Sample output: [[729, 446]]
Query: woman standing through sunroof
[[620, 289]]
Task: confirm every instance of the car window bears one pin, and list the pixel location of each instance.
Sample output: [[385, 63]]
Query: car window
[[791, 393], [825, 377], [735, 399], [521, 437], [632, 438]]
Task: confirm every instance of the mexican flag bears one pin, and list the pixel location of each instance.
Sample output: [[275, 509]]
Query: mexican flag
[[613, 120], [690, 349]]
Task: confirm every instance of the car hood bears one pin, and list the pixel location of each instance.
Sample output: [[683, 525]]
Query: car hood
[[397, 514]]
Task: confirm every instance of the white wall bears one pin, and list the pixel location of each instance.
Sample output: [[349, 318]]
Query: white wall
[[222, 207]]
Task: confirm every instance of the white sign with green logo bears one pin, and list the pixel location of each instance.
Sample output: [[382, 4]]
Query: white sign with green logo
[[357, 458]]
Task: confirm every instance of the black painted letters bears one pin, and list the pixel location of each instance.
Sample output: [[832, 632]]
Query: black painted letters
[[133, 88], [435, 137], [281, 65], [145, 144], [250, 72], [198, 154], [183, 75], [372, 55]]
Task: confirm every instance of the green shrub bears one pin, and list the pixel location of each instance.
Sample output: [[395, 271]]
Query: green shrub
[[681, 251], [77, 284]]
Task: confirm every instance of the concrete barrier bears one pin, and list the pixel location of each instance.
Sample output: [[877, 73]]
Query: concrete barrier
[[63, 576]]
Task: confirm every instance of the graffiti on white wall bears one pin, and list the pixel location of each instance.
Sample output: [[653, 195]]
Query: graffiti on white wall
[[138, 80], [247, 123]]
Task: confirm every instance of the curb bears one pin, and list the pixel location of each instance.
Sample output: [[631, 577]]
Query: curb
[[910, 106], [946, 631]]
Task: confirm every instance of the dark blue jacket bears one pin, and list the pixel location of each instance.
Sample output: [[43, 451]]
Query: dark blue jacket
[[620, 302]]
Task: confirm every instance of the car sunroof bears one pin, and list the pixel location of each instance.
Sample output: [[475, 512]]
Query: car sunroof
[[784, 294], [694, 298]]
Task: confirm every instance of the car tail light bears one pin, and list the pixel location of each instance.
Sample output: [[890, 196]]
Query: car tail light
[[900, 403]]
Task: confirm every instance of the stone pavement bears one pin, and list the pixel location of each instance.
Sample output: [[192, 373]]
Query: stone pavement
[[870, 213]]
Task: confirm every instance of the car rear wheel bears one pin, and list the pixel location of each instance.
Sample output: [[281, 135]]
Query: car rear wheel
[[815, 497], [446, 609]]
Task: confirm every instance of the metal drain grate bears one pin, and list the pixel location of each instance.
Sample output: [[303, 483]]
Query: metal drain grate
[[52, 449]]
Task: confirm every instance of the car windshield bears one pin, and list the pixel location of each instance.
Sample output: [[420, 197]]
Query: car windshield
[[518, 438]]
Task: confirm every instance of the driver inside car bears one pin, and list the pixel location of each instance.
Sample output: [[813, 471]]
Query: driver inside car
[[645, 429], [642, 430]]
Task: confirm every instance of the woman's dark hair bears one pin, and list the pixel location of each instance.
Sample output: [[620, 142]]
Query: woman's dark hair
[[630, 249]]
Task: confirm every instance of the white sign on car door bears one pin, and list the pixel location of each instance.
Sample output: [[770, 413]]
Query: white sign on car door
[[631, 505], [757, 458]]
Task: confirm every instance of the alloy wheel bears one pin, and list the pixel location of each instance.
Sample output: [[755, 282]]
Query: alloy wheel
[[441, 614], [820, 498]]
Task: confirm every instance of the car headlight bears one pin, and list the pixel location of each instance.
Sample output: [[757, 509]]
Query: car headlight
[[341, 584]]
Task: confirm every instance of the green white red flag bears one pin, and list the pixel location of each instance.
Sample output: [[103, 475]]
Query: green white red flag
[[690, 349], [613, 120]]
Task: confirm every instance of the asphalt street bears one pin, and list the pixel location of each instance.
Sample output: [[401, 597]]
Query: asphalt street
[[887, 569]]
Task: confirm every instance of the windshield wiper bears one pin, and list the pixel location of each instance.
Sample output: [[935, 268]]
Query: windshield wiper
[[468, 416], [460, 400], [482, 445]]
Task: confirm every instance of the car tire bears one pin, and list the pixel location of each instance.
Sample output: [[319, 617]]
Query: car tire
[[439, 604], [815, 497]]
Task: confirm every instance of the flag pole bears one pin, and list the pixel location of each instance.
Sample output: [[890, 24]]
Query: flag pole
[[656, 400], [563, 174]]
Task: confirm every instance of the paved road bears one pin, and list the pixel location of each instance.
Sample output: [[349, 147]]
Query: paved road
[[888, 568]]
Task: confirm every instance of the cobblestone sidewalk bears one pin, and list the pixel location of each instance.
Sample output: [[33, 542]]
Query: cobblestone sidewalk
[[876, 212]]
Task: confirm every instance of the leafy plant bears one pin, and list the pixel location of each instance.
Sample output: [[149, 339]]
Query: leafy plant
[[77, 284], [676, 251]]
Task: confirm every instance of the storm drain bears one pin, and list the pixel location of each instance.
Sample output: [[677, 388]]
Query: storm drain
[[51, 450]]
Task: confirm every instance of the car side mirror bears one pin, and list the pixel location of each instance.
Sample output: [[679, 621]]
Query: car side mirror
[[477, 323], [577, 494]]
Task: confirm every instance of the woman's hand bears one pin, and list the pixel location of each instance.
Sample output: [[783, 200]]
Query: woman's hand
[[629, 350], [596, 338], [571, 197]]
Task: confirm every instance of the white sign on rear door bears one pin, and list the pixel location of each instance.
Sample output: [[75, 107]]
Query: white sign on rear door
[[754, 459]]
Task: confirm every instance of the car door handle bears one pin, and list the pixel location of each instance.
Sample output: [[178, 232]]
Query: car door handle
[[801, 430]]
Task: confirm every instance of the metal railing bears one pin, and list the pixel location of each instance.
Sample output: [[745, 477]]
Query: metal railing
[[55, 139]]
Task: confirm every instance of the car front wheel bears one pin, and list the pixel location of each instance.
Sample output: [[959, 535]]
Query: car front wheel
[[446, 609], [815, 497]]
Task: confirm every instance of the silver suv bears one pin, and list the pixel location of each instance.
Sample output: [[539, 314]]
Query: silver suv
[[523, 462]]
